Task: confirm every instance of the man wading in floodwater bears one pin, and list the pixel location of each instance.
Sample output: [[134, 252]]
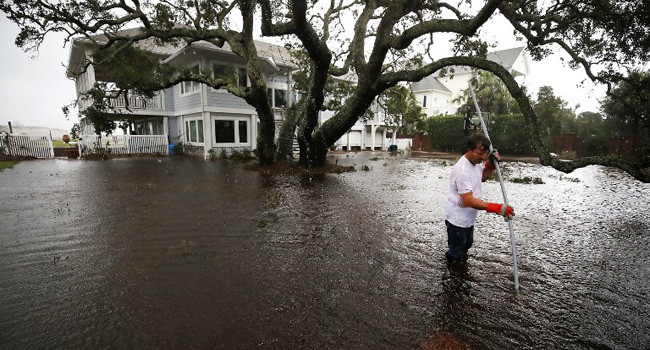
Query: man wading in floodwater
[[464, 200]]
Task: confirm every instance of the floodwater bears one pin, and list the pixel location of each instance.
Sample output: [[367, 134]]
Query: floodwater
[[179, 253]]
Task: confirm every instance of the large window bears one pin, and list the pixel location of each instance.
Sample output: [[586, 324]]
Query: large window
[[237, 75], [191, 86], [233, 131], [194, 130], [277, 97]]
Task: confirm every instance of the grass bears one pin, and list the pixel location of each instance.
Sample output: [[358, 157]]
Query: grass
[[7, 164], [527, 180], [59, 143]]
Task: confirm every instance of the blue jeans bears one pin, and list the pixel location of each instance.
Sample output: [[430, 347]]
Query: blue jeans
[[459, 240]]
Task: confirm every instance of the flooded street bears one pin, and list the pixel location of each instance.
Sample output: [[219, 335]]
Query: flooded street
[[180, 253]]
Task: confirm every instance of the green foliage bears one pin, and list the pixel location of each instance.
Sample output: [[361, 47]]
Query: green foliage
[[402, 110], [555, 117], [59, 143], [178, 148], [243, 155], [508, 134], [336, 90], [527, 180], [7, 164], [75, 132], [212, 154], [128, 67], [592, 129], [568, 155], [445, 132], [4, 144], [492, 96], [627, 106], [506, 131]]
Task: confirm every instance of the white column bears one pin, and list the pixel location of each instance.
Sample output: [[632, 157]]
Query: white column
[[373, 130], [254, 126]]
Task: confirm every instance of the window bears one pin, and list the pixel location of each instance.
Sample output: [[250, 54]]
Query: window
[[277, 97], [228, 73], [243, 77], [191, 86], [194, 131], [243, 131], [224, 131], [280, 98], [232, 131], [424, 102]]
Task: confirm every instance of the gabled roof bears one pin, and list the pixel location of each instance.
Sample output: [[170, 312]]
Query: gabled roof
[[506, 58], [429, 83], [278, 55]]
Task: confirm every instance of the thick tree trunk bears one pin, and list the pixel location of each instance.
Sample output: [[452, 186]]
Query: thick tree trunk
[[316, 146], [287, 132], [266, 147]]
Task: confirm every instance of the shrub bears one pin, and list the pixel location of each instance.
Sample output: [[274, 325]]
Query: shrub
[[507, 132]]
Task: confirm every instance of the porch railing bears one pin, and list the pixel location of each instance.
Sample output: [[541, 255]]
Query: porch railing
[[124, 144], [136, 102], [26, 146]]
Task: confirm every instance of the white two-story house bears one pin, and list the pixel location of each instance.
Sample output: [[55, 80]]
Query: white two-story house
[[209, 119], [436, 93]]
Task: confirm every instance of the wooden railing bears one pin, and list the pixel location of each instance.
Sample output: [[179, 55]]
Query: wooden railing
[[124, 144], [136, 102], [26, 146]]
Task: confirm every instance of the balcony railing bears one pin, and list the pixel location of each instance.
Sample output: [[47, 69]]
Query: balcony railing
[[136, 102]]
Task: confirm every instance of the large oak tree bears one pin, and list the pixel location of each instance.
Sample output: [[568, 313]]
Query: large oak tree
[[371, 39]]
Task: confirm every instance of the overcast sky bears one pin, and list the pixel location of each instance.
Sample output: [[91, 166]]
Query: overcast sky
[[33, 90]]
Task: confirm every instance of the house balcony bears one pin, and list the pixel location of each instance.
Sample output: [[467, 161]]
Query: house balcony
[[137, 102]]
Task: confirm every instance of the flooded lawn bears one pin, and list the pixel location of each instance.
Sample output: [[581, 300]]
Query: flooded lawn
[[179, 253]]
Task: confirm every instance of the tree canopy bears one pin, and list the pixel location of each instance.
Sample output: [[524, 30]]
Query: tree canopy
[[629, 103], [553, 112], [391, 42], [491, 94], [402, 111]]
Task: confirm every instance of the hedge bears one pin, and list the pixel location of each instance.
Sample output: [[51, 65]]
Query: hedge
[[507, 133]]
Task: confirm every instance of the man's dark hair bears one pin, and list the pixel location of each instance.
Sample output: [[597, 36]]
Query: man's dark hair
[[477, 139]]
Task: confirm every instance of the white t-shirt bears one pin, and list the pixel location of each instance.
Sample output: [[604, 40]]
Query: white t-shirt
[[465, 177]]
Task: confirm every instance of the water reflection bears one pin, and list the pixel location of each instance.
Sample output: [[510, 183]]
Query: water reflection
[[186, 253]]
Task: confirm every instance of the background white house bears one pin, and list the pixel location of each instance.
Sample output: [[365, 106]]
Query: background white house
[[436, 93]]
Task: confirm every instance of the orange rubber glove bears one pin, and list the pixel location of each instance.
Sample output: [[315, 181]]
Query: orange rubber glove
[[493, 157], [506, 211]]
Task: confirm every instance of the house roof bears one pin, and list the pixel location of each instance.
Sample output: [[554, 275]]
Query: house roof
[[429, 83], [506, 58], [275, 54]]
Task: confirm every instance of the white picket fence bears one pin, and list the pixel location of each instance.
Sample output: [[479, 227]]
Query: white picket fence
[[27, 146], [125, 144]]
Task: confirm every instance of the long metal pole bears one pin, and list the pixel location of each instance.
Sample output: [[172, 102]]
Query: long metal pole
[[503, 188]]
